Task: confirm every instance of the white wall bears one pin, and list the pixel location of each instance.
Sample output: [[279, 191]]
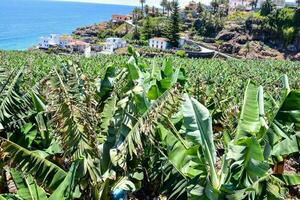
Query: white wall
[[45, 42], [114, 43], [87, 51], [158, 44]]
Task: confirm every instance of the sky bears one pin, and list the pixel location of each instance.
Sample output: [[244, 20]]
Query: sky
[[133, 2]]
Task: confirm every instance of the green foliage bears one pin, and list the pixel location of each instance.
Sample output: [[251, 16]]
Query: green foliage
[[239, 16], [181, 53], [147, 126], [280, 24], [147, 31], [288, 34], [296, 19], [173, 27], [208, 24], [267, 8]]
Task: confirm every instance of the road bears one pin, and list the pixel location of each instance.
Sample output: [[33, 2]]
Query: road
[[205, 48]]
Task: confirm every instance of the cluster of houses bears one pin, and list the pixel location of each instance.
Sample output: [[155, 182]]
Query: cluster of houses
[[111, 44], [240, 4], [65, 42], [78, 46], [247, 4]]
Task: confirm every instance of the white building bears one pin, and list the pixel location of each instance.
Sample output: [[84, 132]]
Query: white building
[[88, 51], [159, 43], [46, 42], [114, 43], [79, 46], [64, 40], [240, 4]]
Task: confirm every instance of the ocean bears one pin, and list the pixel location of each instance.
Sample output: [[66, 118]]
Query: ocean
[[23, 22]]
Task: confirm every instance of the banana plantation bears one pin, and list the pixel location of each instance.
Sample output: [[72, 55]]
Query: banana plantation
[[118, 127]]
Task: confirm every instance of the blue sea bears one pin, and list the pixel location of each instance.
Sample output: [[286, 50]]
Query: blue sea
[[22, 22]]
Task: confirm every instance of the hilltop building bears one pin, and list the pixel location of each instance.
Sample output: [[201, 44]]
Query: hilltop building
[[120, 18], [240, 4], [246, 4], [192, 5]]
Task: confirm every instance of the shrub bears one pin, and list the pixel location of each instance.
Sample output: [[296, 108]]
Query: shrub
[[181, 53], [288, 35]]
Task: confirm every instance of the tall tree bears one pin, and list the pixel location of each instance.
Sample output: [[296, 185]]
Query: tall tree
[[163, 4], [169, 7], [297, 19], [142, 3], [215, 5], [147, 29], [253, 4], [135, 34], [147, 9], [173, 25], [200, 7]]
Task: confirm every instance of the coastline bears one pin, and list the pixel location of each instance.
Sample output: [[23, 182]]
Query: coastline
[[29, 23]]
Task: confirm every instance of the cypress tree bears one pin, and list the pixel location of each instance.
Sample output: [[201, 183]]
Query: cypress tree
[[147, 29], [173, 25]]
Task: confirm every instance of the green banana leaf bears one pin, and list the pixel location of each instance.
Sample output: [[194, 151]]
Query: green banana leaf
[[198, 124], [27, 188], [32, 163], [249, 121]]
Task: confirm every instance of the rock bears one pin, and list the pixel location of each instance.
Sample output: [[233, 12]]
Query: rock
[[242, 39], [233, 27], [291, 48], [268, 53], [209, 40], [230, 48], [296, 57], [225, 35]]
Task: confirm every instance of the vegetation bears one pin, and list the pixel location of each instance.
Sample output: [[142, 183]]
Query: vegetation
[[181, 53], [267, 8], [91, 128], [173, 29], [278, 24]]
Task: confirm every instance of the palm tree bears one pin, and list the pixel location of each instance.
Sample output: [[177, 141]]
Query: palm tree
[[142, 3], [147, 9], [169, 7], [163, 4], [135, 15], [215, 5]]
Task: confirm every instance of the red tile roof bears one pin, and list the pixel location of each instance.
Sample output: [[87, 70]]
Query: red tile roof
[[78, 43]]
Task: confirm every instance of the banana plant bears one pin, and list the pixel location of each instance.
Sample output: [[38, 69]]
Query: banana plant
[[245, 168]]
